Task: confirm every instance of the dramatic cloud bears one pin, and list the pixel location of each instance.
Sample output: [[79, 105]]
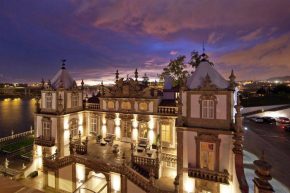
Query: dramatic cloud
[[98, 37], [270, 58]]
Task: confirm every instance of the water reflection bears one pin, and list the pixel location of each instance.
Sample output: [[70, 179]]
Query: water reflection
[[16, 114]]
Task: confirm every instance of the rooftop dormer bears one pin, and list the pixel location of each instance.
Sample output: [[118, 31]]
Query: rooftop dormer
[[61, 95], [208, 100]]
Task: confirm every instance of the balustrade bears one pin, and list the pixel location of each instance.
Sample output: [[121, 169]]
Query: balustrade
[[93, 106], [44, 141], [168, 157], [205, 174], [167, 110], [53, 163]]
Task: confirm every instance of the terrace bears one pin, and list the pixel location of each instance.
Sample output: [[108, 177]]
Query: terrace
[[124, 158]]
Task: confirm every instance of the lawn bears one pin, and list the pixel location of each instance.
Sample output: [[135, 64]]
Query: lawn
[[27, 141]]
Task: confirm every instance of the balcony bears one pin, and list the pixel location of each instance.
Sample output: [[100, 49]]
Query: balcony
[[92, 106], [167, 110], [44, 141], [205, 174]]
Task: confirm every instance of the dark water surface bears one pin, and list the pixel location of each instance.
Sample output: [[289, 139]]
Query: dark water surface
[[16, 114]]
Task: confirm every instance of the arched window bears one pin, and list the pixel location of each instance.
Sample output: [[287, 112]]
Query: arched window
[[48, 100]]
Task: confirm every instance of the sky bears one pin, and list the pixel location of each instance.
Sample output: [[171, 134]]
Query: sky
[[96, 37]]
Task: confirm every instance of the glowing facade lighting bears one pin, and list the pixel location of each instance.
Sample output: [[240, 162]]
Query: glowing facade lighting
[[116, 182], [118, 132], [134, 134], [80, 174], [226, 188], [151, 136], [188, 184], [104, 130]]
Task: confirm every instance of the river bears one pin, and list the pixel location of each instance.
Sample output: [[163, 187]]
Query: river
[[16, 114]]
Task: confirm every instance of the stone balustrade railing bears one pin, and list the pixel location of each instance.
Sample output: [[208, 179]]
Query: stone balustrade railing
[[92, 106], [43, 141], [53, 162], [210, 175], [167, 110], [169, 157], [145, 161], [147, 185], [15, 136], [81, 149]]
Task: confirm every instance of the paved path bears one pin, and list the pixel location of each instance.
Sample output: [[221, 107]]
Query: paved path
[[276, 144]]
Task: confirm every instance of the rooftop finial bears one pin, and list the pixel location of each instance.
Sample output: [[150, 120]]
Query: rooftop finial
[[117, 75], [136, 74], [203, 47], [63, 64]]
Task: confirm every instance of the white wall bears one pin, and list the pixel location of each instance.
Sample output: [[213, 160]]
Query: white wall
[[189, 148], [184, 104], [151, 107], [53, 100], [65, 178], [68, 100], [195, 106], [225, 152], [51, 179], [110, 126], [221, 108]]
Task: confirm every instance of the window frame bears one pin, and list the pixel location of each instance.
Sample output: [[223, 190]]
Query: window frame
[[167, 129], [208, 106], [46, 128], [48, 100], [74, 100]]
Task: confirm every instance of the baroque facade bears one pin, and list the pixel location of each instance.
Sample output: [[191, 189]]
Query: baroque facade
[[132, 137]]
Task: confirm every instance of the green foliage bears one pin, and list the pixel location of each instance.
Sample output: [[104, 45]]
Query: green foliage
[[177, 67], [19, 144]]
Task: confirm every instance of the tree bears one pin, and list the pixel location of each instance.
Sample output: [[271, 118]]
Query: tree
[[196, 59], [176, 69]]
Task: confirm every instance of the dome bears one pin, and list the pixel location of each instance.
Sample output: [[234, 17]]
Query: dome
[[63, 79], [205, 69]]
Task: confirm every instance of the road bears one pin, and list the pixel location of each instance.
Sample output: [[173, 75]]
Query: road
[[275, 142]]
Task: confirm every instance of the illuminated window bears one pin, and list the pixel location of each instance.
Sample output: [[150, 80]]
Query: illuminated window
[[75, 100], [94, 124], [166, 133], [48, 100], [46, 129], [143, 106], [74, 131], [111, 105], [207, 155], [126, 105], [143, 130], [207, 109]]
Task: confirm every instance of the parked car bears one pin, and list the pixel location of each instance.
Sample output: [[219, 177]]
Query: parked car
[[283, 120], [270, 120], [287, 128], [257, 119]]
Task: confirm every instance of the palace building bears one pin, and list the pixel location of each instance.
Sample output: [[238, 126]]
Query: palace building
[[133, 137]]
